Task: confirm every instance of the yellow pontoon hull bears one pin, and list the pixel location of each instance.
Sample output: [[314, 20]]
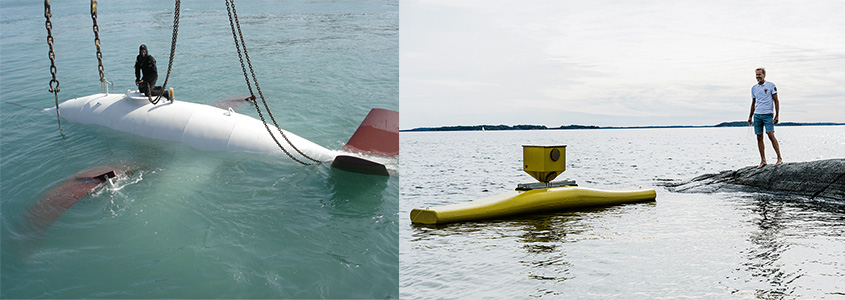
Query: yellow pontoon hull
[[522, 202]]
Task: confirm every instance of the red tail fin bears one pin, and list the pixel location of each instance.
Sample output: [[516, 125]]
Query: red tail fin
[[378, 134]]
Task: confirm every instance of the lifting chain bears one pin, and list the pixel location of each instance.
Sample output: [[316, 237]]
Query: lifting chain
[[233, 22], [54, 83], [172, 54], [97, 42]]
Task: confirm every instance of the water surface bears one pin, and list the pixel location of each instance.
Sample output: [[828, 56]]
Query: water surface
[[701, 246]]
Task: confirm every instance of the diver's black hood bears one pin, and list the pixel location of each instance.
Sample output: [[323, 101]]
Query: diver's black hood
[[143, 48]]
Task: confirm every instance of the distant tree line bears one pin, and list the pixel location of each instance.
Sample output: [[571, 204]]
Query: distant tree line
[[565, 127], [483, 127]]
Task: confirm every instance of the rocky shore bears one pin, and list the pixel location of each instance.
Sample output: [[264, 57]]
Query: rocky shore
[[814, 179]]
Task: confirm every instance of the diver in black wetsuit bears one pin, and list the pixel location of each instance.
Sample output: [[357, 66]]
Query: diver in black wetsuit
[[146, 63]]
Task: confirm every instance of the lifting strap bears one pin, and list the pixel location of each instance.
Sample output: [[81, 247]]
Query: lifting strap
[[239, 42]]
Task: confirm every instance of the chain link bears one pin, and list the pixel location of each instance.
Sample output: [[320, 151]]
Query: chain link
[[54, 83], [233, 22], [238, 47], [97, 41], [176, 17], [267, 126]]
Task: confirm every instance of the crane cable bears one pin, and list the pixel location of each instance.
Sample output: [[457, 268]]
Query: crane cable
[[52, 54], [233, 22]]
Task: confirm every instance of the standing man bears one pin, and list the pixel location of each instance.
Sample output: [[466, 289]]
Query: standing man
[[765, 110], [146, 63]]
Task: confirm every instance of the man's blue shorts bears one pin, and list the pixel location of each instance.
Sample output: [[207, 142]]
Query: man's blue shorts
[[761, 120]]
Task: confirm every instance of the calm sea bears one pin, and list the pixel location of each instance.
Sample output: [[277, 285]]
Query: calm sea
[[188, 223], [684, 246]]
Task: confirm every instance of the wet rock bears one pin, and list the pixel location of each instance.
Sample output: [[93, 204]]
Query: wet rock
[[813, 179]]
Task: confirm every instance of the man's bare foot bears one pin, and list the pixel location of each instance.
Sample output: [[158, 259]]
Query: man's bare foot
[[762, 164], [778, 163]]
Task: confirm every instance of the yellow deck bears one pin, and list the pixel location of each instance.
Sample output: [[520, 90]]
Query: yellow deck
[[522, 202]]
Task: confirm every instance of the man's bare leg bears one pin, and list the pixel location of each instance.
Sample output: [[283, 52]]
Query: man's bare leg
[[762, 148], [775, 145]]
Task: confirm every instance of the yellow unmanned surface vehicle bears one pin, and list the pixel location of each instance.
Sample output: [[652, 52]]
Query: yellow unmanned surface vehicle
[[543, 163]]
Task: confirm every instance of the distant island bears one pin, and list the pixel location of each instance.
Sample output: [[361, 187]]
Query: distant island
[[568, 127]]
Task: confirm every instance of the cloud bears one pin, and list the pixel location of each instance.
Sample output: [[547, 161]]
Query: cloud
[[474, 62]]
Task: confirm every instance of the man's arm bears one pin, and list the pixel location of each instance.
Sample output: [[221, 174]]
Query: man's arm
[[777, 107], [153, 66], [751, 114], [137, 70]]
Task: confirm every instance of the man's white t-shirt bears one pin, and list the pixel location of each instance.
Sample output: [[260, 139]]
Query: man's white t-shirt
[[763, 93]]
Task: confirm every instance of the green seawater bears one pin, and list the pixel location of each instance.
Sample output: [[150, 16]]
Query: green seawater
[[191, 223]]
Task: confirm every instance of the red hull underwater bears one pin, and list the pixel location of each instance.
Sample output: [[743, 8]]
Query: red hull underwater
[[59, 199]]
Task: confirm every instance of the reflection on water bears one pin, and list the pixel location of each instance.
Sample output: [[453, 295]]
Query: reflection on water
[[763, 258], [788, 227], [539, 242], [543, 239]]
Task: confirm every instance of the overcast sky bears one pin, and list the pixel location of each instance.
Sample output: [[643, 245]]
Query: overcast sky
[[617, 63]]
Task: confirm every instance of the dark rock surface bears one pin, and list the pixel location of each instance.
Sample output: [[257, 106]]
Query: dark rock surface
[[814, 179]]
